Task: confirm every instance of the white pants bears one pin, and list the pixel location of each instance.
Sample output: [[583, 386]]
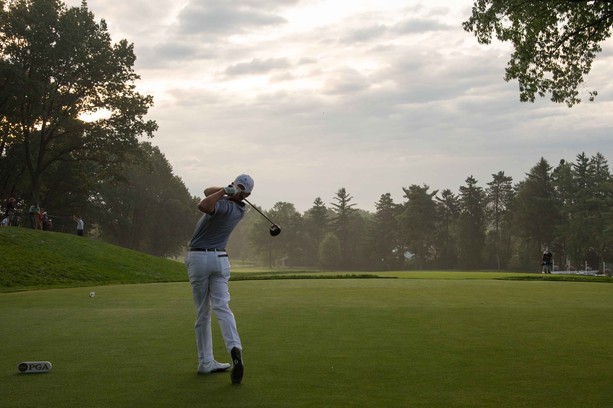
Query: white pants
[[209, 273]]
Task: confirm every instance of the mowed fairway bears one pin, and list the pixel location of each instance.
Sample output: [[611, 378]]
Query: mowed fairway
[[317, 343]]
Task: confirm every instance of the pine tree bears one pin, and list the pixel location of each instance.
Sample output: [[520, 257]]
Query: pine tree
[[499, 197], [418, 223], [537, 212], [471, 234], [342, 224], [384, 244], [316, 226], [446, 238]]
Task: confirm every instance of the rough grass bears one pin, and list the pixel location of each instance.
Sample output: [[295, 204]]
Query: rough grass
[[33, 259]]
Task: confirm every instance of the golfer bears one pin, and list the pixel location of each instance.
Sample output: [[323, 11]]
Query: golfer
[[208, 268]]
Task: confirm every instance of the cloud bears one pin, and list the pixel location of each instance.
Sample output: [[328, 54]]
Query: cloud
[[419, 26], [172, 53], [307, 61], [225, 18], [345, 81], [366, 34], [371, 96], [257, 66]]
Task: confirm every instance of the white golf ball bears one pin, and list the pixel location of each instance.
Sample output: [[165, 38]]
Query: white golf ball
[[92, 294]]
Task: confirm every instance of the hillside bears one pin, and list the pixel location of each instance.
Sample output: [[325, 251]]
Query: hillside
[[32, 259]]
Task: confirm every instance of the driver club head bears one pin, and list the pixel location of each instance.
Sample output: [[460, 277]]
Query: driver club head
[[275, 230]]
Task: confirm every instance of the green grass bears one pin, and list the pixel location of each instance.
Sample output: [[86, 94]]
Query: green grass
[[32, 259], [317, 343], [417, 339]]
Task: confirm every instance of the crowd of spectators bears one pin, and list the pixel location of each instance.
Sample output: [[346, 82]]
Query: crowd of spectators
[[12, 215]]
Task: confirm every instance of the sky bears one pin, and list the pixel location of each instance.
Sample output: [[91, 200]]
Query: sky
[[310, 96]]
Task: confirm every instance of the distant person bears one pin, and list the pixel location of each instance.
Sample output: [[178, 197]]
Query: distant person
[[39, 219], [46, 221], [5, 222], [11, 207], [208, 268], [80, 224], [547, 262], [33, 212]]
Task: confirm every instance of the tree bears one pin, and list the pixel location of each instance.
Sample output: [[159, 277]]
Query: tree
[[240, 243], [316, 226], [471, 234], [329, 252], [562, 179], [342, 223], [358, 244], [555, 41], [384, 238], [151, 211], [499, 197], [418, 223], [67, 190], [447, 214], [536, 215], [285, 249], [58, 65], [266, 247], [587, 224], [603, 208], [291, 246]]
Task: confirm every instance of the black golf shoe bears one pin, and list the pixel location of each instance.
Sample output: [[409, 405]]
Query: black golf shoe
[[236, 374]]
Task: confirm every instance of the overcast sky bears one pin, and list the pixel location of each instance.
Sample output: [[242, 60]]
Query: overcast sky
[[309, 96]]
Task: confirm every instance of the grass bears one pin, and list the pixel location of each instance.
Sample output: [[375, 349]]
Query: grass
[[33, 259], [418, 339], [317, 343]]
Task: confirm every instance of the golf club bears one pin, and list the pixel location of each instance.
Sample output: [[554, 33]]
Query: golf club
[[274, 228]]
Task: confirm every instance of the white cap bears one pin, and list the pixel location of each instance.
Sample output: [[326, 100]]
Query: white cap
[[245, 181]]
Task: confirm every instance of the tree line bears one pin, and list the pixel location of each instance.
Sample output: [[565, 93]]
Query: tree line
[[73, 140], [504, 225]]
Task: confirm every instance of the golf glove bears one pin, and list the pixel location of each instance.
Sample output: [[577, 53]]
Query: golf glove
[[230, 190]]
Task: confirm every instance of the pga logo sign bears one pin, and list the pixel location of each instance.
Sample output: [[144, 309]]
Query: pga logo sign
[[34, 367]]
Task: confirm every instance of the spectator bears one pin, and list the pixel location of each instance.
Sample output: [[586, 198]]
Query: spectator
[[10, 211], [46, 221], [80, 224], [34, 215], [547, 262], [39, 219]]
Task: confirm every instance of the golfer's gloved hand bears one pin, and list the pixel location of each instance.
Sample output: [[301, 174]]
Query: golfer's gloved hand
[[230, 190]]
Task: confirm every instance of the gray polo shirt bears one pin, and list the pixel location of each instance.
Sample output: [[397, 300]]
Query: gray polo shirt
[[213, 230]]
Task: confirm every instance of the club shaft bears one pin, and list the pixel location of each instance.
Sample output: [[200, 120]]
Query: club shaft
[[258, 210]]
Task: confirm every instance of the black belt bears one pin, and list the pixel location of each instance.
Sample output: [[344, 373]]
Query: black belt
[[206, 250]]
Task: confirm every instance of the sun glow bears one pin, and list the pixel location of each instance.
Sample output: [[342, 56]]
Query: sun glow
[[100, 114]]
